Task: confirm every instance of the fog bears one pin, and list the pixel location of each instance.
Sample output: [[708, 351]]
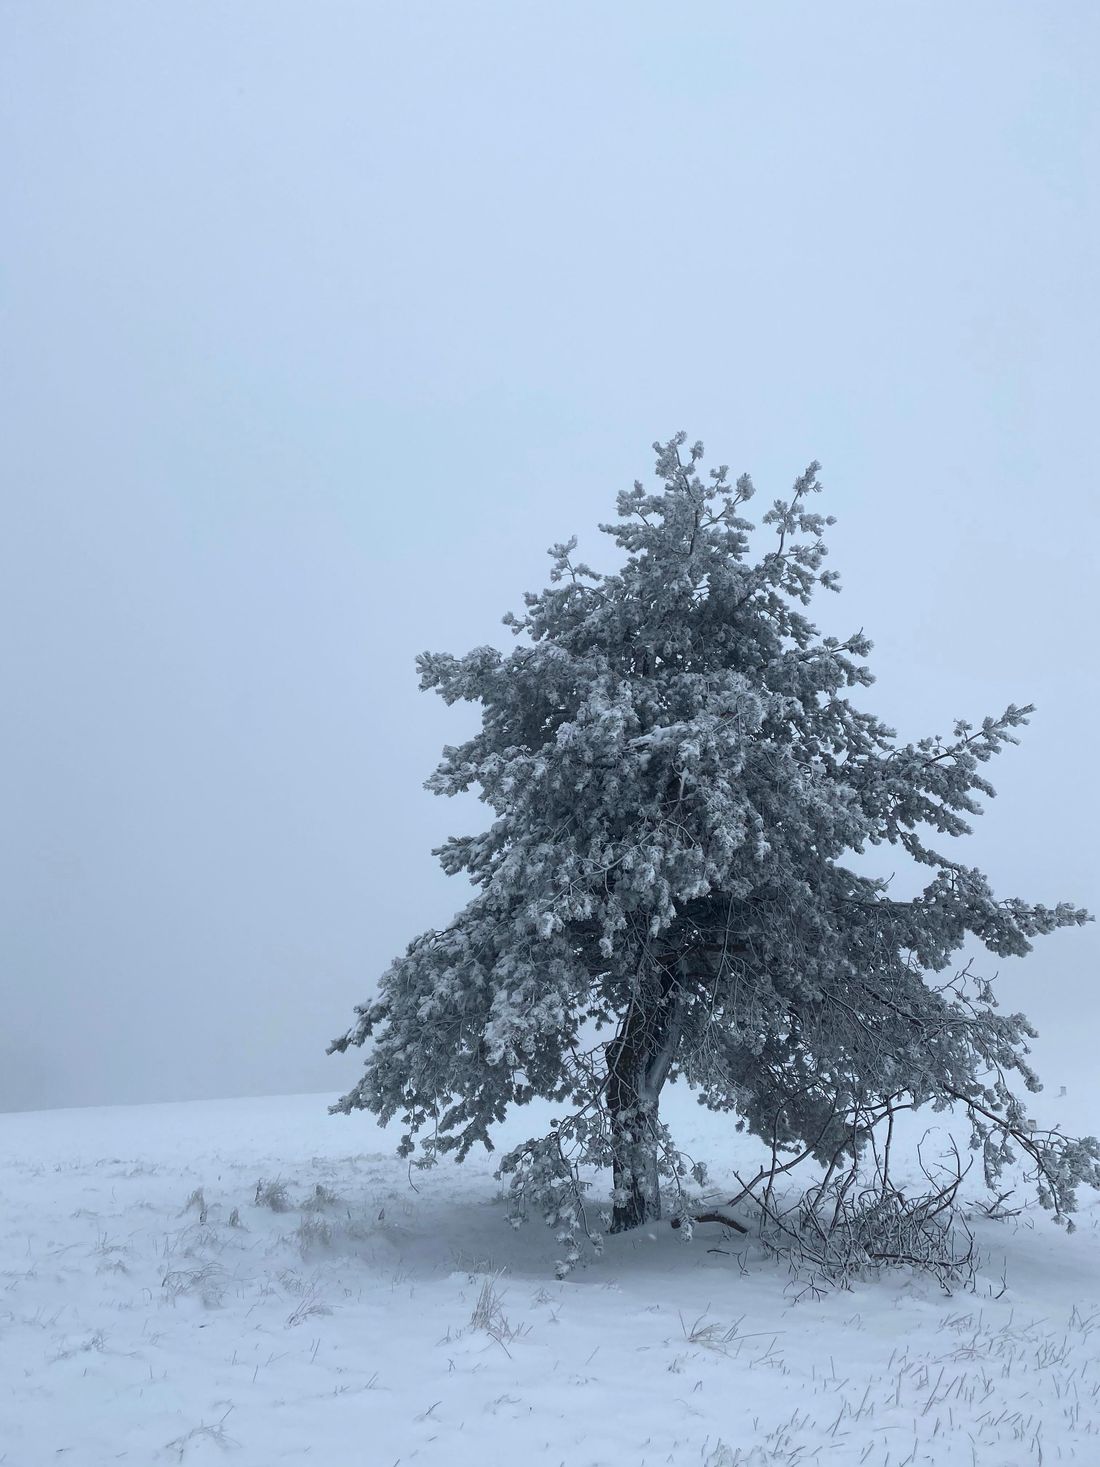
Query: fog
[[320, 322]]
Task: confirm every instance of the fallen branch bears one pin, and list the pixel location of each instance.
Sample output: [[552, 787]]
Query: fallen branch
[[715, 1217]]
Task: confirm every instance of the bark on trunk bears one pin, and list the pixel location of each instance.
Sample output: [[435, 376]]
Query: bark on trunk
[[639, 1060]]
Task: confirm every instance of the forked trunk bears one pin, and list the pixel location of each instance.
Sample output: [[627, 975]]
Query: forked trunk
[[639, 1060]]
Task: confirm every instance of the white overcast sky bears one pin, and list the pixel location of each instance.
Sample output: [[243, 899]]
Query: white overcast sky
[[319, 322]]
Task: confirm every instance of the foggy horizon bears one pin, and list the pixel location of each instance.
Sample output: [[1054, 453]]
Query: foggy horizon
[[320, 325]]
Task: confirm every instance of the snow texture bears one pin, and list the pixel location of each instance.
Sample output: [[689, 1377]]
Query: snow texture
[[256, 1282]]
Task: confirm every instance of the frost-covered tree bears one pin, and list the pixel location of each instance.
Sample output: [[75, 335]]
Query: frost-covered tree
[[679, 781]]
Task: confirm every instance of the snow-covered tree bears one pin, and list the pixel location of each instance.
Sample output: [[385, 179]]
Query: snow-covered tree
[[677, 777]]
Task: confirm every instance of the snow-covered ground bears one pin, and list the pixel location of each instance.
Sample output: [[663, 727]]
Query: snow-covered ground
[[151, 1310]]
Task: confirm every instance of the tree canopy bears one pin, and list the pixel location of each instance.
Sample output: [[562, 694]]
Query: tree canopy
[[679, 779]]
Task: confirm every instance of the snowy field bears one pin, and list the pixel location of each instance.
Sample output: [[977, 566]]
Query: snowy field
[[153, 1310]]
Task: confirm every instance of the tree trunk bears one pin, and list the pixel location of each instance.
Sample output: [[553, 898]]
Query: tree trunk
[[639, 1060]]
